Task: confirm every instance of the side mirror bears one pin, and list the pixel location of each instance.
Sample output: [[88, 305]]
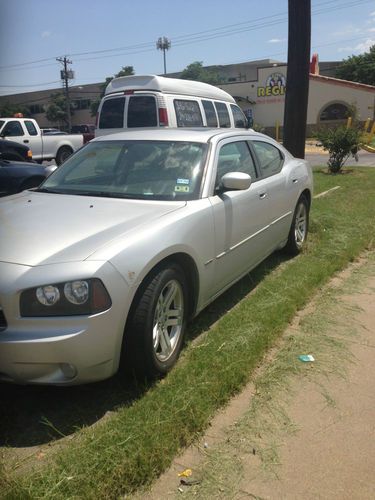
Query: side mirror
[[235, 181]]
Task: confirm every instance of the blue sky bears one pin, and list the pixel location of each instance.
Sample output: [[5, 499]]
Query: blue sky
[[34, 32]]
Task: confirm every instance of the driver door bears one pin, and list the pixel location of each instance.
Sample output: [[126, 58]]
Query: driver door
[[240, 217]]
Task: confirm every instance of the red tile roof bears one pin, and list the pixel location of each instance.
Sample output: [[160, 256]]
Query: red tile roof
[[342, 83]]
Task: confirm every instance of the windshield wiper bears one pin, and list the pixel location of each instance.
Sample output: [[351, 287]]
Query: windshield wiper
[[48, 190]]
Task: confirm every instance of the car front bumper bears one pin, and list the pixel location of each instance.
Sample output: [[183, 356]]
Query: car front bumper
[[64, 350]]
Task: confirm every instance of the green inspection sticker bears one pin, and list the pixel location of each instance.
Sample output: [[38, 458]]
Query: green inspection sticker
[[181, 189]]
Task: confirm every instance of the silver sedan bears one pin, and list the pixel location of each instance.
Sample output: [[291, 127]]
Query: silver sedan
[[131, 237]]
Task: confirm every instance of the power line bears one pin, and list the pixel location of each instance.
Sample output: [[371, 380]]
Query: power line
[[206, 34]]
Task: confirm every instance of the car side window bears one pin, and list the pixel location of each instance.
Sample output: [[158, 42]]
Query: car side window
[[12, 129], [112, 113], [235, 157], [31, 128], [222, 113], [238, 117], [209, 111], [142, 112], [270, 158], [188, 113]]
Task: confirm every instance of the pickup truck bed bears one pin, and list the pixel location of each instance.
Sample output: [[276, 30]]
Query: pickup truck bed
[[44, 147]]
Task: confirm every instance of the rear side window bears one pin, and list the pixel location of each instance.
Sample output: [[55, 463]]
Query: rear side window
[[188, 113], [222, 113], [238, 117], [270, 158], [112, 113], [209, 111], [31, 128], [142, 112]]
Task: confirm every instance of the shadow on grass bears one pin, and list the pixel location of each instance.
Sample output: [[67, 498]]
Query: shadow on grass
[[35, 415]]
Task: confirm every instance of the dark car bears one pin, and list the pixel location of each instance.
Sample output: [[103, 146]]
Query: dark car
[[16, 176], [10, 150], [88, 131]]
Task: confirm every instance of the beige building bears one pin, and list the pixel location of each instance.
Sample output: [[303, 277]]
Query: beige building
[[258, 87], [330, 99], [81, 98]]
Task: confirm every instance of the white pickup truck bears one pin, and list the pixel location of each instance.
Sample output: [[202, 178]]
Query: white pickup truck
[[44, 147]]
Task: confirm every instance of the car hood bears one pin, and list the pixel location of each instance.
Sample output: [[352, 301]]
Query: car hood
[[44, 228]]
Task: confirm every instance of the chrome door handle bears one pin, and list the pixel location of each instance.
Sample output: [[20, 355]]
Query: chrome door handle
[[295, 181], [263, 195]]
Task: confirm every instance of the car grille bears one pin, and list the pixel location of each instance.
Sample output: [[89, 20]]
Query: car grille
[[3, 321]]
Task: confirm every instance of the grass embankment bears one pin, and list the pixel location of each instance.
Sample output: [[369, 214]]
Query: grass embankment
[[133, 446]]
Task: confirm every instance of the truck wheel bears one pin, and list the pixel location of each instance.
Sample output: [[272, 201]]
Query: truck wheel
[[62, 154]]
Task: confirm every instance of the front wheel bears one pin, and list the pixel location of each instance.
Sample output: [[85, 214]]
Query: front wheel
[[299, 228], [62, 154], [156, 327]]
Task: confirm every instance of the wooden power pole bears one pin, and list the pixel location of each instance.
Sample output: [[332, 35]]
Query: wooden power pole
[[297, 86]]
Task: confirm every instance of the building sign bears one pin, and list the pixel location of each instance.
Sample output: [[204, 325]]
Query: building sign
[[275, 86]]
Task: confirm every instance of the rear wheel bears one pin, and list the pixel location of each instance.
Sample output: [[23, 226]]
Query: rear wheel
[[62, 154], [156, 327], [299, 228]]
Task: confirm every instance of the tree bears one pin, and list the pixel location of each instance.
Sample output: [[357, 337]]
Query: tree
[[8, 110], [125, 71], [340, 142], [359, 68], [195, 71], [56, 110]]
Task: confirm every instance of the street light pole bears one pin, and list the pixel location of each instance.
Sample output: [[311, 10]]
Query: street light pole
[[163, 43]]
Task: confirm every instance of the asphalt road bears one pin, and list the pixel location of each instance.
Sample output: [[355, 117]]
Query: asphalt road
[[365, 159]]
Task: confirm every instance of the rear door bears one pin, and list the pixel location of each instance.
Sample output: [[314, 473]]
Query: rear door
[[127, 111], [278, 187]]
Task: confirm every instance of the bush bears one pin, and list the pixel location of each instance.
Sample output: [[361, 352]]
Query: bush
[[340, 142]]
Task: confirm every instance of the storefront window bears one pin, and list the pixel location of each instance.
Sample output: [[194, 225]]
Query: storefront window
[[335, 111]]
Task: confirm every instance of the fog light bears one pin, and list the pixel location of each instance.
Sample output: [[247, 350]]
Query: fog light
[[69, 371], [48, 295]]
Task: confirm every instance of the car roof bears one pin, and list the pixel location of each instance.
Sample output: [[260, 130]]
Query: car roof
[[179, 134]]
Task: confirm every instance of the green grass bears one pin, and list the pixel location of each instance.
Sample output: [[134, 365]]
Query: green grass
[[134, 445]]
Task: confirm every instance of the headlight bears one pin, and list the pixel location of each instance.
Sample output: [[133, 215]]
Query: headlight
[[80, 297], [77, 292], [48, 295]]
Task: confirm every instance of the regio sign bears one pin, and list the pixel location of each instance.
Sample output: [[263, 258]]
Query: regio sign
[[275, 86]]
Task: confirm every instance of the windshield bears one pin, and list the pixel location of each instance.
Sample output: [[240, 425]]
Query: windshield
[[158, 170]]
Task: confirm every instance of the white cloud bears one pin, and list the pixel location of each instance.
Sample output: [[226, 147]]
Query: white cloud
[[371, 30], [360, 48], [372, 14], [365, 46], [46, 34], [276, 40]]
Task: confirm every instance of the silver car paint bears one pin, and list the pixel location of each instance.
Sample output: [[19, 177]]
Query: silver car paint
[[56, 238]]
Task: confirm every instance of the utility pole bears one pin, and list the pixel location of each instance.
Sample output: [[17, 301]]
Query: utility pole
[[66, 75], [163, 44], [297, 86]]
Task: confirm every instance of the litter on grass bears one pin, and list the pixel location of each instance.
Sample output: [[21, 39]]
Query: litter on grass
[[185, 473], [306, 358]]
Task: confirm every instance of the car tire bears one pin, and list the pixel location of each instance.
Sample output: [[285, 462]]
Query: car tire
[[63, 154], [299, 228], [156, 327]]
